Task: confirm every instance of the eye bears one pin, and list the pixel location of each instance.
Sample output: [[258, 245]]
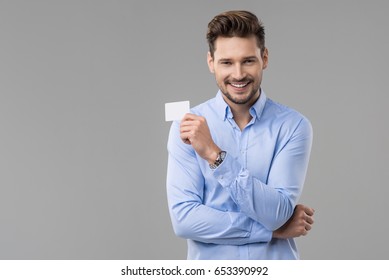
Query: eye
[[249, 61], [225, 63]]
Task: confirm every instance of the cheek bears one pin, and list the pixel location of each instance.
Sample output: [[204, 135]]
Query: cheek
[[219, 77], [257, 73], [221, 74]]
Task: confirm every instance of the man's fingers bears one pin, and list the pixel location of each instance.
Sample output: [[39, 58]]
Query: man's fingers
[[309, 220], [189, 127], [189, 124], [185, 136], [309, 211], [189, 117], [188, 131], [185, 128]]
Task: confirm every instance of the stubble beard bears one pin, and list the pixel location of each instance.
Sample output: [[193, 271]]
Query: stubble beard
[[239, 101]]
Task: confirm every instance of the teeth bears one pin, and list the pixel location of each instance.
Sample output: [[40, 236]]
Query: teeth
[[239, 85]]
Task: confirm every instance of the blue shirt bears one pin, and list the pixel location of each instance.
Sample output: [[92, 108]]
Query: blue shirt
[[230, 212]]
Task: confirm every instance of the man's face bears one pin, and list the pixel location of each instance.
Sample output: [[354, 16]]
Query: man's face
[[238, 67]]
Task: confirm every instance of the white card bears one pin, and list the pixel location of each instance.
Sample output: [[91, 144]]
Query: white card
[[176, 110]]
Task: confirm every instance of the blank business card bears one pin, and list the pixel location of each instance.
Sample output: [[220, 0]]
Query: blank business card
[[176, 110]]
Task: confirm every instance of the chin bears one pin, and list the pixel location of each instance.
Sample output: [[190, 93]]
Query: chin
[[241, 98], [238, 100]]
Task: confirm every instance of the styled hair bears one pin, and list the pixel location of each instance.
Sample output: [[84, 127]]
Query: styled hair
[[229, 24]]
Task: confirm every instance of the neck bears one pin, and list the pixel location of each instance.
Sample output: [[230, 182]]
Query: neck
[[241, 117], [241, 112]]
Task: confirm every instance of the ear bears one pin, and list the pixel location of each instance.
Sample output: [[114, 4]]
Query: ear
[[210, 63], [265, 58]]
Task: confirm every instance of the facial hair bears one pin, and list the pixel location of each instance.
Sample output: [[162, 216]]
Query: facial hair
[[237, 100]]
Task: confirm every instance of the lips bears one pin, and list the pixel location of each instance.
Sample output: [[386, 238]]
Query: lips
[[239, 85]]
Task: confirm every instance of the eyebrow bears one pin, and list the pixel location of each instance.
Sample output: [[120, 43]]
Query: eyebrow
[[251, 57], [244, 58]]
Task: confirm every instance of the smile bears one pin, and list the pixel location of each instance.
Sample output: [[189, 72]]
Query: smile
[[239, 85]]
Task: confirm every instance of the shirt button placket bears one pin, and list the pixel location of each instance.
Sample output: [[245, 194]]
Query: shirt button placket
[[243, 147]]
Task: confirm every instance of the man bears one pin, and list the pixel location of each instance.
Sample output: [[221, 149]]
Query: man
[[237, 162]]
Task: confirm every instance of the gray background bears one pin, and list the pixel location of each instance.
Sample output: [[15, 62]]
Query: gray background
[[83, 138]]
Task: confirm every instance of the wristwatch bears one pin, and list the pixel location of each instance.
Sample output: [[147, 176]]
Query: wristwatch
[[220, 157]]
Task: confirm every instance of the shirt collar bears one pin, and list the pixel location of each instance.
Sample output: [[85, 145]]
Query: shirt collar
[[224, 111]]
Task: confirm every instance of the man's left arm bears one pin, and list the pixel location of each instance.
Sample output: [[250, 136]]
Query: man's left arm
[[271, 203]]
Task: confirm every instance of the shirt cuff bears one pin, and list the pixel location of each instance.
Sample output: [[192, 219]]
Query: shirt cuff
[[228, 171]]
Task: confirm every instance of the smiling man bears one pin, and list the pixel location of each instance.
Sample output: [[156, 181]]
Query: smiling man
[[237, 163]]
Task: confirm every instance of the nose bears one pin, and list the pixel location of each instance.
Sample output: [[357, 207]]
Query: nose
[[238, 73]]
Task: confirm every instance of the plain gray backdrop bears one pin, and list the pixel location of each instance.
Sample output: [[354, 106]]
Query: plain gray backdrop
[[83, 138]]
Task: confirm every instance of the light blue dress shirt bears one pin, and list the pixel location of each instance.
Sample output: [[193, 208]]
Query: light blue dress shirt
[[231, 212]]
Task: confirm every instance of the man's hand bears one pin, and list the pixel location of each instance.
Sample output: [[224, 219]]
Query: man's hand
[[299, 224], [194, 131]]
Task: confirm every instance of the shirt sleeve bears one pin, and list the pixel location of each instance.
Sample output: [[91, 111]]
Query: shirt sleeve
[[191, 219], [271, 204]]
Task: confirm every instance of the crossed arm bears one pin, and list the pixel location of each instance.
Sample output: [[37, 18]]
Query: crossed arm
[[194, 220]]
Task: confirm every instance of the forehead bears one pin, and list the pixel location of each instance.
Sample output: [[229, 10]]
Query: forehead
[[236, 47]]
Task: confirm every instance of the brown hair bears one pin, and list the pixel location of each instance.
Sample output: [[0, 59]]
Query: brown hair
[[235, 24]]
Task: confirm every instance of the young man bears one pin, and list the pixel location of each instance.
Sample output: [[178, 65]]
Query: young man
[[237, 162]]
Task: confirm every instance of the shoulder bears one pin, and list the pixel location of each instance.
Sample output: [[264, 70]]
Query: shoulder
[[287, 117], [279, 110]]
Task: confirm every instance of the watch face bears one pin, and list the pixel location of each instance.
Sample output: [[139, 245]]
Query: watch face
[[219, 160], [222, 155]]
